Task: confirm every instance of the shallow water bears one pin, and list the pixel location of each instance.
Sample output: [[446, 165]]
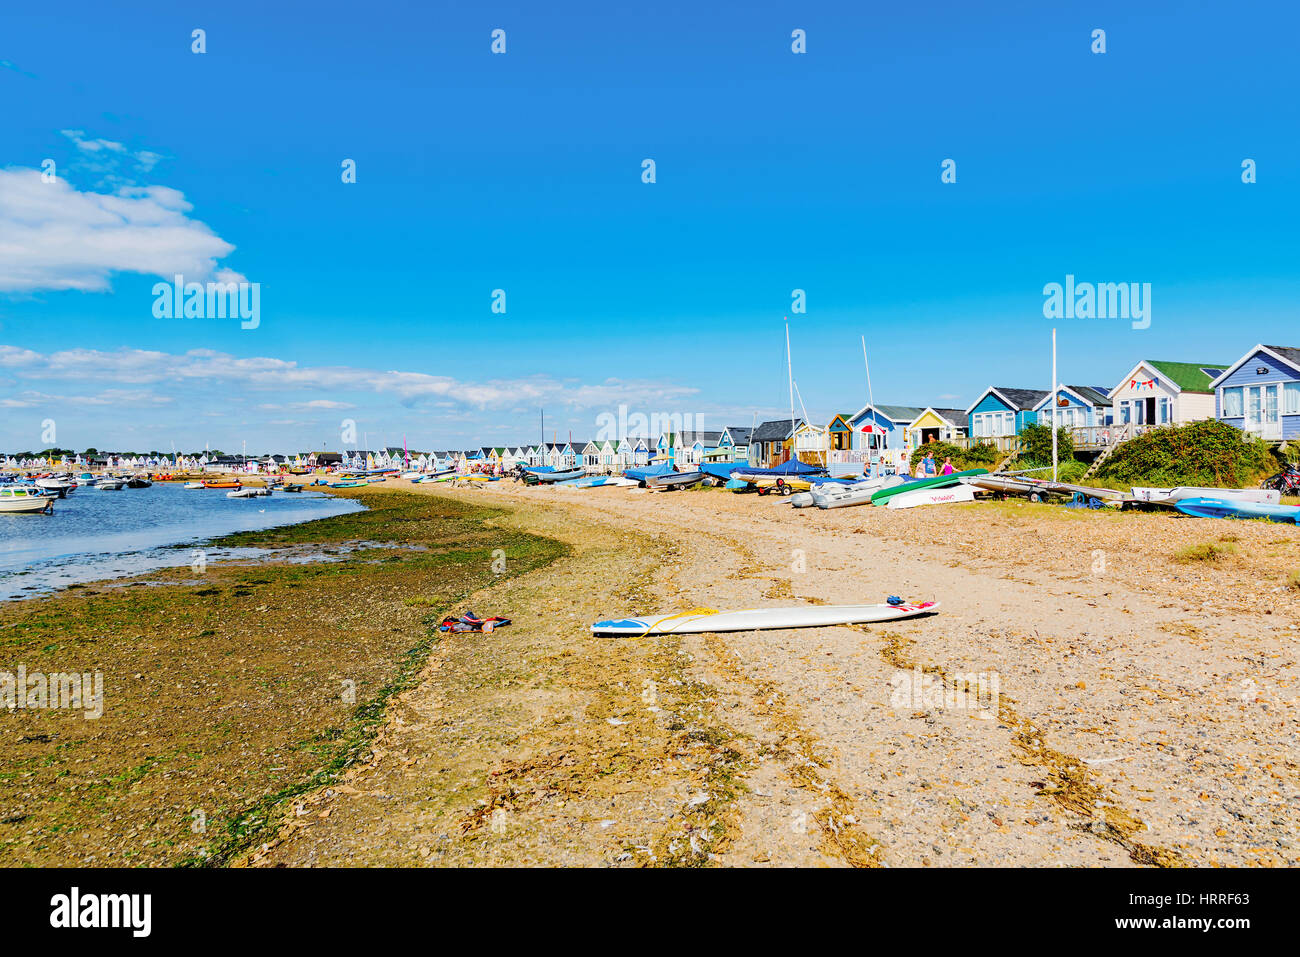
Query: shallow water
[[94, 535]]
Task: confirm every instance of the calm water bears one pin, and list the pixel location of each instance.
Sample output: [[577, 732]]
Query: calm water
[[94, 535]]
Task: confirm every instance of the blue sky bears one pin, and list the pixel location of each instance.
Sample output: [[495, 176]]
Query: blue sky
[[522, 172]]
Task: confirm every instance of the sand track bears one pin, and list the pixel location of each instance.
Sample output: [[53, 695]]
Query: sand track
[[1145, 712]]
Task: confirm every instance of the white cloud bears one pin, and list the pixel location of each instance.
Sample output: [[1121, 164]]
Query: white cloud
[[56, 237], [208, 368]]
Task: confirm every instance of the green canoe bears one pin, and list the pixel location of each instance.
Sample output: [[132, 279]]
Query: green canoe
[[885, 494]]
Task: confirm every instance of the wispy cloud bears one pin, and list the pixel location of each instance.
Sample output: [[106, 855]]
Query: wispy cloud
[[114, 164]]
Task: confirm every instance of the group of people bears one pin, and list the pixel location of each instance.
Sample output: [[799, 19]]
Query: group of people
[[926, 467]]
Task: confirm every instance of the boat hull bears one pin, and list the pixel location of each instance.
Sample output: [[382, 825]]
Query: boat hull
[[1170, 496], [26, 504], [939, 481], [1221, 508], [933, 496]]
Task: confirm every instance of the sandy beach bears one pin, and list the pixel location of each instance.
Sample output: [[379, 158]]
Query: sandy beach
[[1144, 716]]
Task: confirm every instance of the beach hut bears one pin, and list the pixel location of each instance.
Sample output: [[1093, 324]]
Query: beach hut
[[643, 450], [733, 444], [770, 443], [1000, 412], [937, 425], [810, 443], [1077, 407], [1157, 392], [692, 447], [1260, 393]]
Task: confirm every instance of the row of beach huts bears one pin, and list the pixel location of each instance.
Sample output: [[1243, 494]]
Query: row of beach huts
[[1259, 394]]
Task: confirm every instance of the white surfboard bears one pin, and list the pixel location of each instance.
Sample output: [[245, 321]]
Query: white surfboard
[[933, 496], [698, 621]]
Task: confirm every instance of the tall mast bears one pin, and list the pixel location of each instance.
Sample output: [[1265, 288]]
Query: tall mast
[[789, 368], [1054, 405], [871, 403]]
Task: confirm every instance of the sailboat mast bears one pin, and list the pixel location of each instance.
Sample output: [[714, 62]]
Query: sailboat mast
[[789, 369], [871, 403], [1054, 405]]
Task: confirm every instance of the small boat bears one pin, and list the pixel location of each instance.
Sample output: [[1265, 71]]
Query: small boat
[[1222, 508], [346, 484], [56, 485], [138, 482], [192, 485], [933, 496], [858, 493], [110, 485], [598, 481], [883, 495], [549, 478], [291, 488], [249, 493], [788, 477], [1171, 496], [223, 483], [700, 621], [671, 480], [410, 476], [25, 499]]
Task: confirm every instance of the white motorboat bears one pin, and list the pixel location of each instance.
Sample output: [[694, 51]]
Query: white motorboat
[[110, 484], [57, 485], [192, 485], [25, 498]]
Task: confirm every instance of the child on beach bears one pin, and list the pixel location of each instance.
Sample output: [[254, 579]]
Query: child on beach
[[947, 467]]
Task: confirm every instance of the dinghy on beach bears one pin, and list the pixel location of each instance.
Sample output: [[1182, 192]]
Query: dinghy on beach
[[883, 495], [1220, 508], [1172, 496]]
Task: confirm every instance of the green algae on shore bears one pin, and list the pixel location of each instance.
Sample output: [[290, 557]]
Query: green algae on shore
[[236, 689]]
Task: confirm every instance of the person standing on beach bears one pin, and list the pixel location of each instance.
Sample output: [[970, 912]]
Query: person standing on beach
[[947, 466], [927, 466], [904, 469]]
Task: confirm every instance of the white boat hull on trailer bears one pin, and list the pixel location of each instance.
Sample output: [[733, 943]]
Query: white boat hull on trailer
[[755, 619]]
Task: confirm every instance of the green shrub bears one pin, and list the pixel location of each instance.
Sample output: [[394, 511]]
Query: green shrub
[[1038, 444], [1209, 453]]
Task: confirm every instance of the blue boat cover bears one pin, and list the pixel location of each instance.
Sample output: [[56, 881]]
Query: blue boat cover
[[640, 474], [720, 470], [792, 467]]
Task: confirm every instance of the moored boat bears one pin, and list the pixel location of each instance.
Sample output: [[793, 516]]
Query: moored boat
[[25, 499]]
